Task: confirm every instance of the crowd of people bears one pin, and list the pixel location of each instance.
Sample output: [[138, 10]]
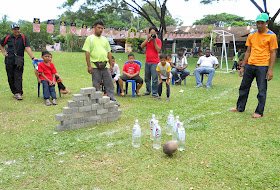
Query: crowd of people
[[258, 63]]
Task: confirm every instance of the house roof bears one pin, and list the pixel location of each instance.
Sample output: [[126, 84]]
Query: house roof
[[179, 32]]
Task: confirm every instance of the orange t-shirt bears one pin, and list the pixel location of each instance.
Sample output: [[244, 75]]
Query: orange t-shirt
[[261, 44]]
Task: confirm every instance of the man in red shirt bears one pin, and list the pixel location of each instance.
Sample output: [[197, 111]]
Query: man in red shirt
[[131, 71], [153, 46]]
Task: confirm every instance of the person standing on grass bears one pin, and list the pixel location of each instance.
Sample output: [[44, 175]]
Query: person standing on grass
[[153, 46], [14, 58], [236, 60], [164, 70], [98, 51], [258, 63]]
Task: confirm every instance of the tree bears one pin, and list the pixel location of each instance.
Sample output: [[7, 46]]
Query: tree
[[272, 20], [5, 26], [224, 19]]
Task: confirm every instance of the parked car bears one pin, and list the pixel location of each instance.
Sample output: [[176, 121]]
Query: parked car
[[117, 49]]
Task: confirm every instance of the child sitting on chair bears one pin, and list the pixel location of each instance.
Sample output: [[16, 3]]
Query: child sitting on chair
[[62, 88], [131, 71], [164, 70], [47, 74]]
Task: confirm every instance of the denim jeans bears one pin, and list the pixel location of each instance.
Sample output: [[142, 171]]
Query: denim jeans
[[184, 74], [251, 72], [48, 90], [208, 70], [151, 72]]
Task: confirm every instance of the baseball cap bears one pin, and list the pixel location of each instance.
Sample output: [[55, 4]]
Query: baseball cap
[[14, 26], [262, 17]]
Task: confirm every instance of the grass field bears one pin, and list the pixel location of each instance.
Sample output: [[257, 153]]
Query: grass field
[[224, 150]]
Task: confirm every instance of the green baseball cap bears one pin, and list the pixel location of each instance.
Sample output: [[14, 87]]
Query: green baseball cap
[[262, 17]]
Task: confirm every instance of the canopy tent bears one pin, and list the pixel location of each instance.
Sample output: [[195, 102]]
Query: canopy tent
[[223, 34]]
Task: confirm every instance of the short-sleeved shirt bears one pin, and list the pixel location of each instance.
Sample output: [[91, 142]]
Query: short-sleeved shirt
[[261, 44], [48, 70], [210, 61], [179, 62], [98, 47], [131, 68], [152, 56], [164, 70], [20, 47]]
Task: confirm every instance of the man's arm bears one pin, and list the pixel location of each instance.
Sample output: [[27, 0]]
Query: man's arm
[[90, 69], [3, 51], [245, 61], [144, 44], [269, 74], [110, 61], [29, 51]]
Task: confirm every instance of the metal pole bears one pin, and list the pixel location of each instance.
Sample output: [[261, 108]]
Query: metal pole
[[224, 40], [211, 41]]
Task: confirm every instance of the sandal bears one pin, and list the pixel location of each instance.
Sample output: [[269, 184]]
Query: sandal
[[48, 103], [122, 94], [138, 94], [255, 115], [18, 97], [54, 102]]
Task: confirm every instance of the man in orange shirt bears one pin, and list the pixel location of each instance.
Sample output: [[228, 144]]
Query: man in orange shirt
[[258, 63]]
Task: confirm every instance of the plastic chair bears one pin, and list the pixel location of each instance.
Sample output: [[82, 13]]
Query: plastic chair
[[202, 74], [133, 83], [35, 65], [173, 79]]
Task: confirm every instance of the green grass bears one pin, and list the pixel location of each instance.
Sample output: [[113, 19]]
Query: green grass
[[224, 150]]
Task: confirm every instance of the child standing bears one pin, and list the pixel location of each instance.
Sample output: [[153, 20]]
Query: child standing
[[164, 70], [115, 75], [131, 71], [47, 73]]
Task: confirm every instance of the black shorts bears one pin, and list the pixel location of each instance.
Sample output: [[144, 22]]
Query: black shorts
[[137, 78]]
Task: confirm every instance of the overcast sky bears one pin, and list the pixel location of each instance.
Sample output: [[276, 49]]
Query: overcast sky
[[188, 11]]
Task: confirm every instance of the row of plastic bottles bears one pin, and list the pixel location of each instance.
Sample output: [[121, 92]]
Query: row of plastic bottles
[[174, 128]]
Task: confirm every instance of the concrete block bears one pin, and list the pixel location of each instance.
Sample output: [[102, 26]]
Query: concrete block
[[89, 90], [94, 106], [84, 108], [96, 95], [103, 100], [105, 115], [90, 123], [59, 117], [80, 115], [72, 103], [80, 97], [80, 103], [93, 101], [120, 111], [113, 114], [91, 113], [87, 103], [100, 121], [109, 119], [101, 111], [68, 110], [114, 108], [94, 118], [109, 104], [60, 128]]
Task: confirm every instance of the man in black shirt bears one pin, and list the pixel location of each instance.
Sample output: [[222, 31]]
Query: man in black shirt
[[17, 43]]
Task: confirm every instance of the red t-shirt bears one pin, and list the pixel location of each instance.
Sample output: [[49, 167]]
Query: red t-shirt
[[48, 70], [152, 56], [131, 68]]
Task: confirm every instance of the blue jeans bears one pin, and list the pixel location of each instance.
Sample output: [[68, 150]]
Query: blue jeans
[[184, 74], [48, 90], [151, 72], [251, 72], [208, 70]]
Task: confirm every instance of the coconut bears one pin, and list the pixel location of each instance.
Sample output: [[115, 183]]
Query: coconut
[[170, 147]]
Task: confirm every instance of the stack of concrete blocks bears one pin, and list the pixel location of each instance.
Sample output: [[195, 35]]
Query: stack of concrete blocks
[[87, 109]]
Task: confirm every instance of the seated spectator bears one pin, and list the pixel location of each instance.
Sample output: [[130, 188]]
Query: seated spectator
[[131, 71], [163, 69], [168, 60], [179, 64], [115, 76], [47, 73], [62, 88], [205, 65]]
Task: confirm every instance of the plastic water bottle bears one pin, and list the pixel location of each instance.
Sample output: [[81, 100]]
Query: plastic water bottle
[[136, 134], [152, 124], [170, 121], [175, 128], [157, 136], [181, 137]]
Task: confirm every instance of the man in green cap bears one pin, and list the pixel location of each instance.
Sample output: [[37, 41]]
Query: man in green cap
[[258, 63]]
